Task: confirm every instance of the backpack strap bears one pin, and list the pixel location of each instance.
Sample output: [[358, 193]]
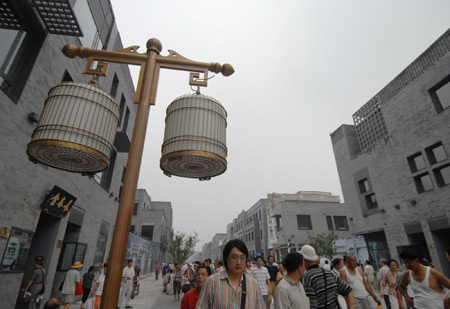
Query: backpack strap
[[244, 291]]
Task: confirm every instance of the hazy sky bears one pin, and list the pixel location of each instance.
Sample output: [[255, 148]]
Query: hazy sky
[[302, 68]]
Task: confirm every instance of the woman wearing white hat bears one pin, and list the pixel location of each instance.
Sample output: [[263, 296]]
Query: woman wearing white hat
[[72, 278]]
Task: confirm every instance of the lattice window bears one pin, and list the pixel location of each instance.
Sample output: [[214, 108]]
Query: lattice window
[[8, 17], [58, 17], [369, 123]]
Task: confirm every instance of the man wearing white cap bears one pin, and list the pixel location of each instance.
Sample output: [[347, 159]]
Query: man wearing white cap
[[72, 278], [322, 286]]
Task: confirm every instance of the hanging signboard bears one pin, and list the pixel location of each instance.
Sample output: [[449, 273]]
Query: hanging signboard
[[58, 202]]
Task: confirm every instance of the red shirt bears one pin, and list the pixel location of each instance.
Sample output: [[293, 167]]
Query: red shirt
[[190, 299]]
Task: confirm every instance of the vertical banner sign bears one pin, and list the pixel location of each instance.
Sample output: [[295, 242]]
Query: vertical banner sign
[[58, 202]]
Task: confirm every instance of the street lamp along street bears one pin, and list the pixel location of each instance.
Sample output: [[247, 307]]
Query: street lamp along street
[[71, 154]]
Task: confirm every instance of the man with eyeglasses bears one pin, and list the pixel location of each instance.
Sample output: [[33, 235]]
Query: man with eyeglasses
[[231, 288]]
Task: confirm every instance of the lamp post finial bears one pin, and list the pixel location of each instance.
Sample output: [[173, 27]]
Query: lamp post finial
[[155, 45]]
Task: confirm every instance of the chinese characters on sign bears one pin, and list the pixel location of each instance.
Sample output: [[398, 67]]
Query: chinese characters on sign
[[58, 202]]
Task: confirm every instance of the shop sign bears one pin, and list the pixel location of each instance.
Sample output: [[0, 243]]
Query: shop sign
[[12, 251], [58, 202]]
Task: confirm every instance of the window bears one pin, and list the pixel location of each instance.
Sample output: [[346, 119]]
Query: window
[[423, 183], [91, 37], [371, 201], [363, 186], [440, 95], [147, 231], [278, 222], [132, 228], [330, 223], [340, 222], [304, 222], [442, 175], [100, 249], [114, 86], [253, 235], [135, 209], [70, 253], [436, 153], [416, 162], [16, 251]]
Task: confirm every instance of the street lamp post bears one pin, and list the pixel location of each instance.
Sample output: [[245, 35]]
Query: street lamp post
[[150, 63]]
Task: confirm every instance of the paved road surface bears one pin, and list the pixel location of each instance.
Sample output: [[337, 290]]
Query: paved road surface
[[150, 296]]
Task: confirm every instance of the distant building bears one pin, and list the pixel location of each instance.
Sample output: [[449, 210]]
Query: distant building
[[153, 221], [211, 250], [282, 222], [307, 213], [394, 162], [31, 62]]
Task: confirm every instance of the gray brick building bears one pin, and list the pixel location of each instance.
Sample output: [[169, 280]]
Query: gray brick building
[[31, 63], [307, 212], [153, 220], [282, 222], [394, 162]]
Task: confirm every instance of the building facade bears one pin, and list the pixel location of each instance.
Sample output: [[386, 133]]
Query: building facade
[[307, 213], [281, 223], [153, 221], [213, 249], [394, 162], [31, 63]]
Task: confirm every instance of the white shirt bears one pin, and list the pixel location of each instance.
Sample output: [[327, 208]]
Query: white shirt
[[100, 282], [290, 294], [128, 272]]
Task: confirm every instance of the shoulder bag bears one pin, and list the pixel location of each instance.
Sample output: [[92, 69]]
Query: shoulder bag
[[244, 291], [43, 283]]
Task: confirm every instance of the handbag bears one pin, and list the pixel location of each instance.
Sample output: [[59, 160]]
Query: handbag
[[43, 283], [185, 288], [79, 289], [376, 284]]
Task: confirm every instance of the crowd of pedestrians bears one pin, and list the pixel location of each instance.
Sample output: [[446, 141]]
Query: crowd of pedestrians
[[301, 281], [236, 282]]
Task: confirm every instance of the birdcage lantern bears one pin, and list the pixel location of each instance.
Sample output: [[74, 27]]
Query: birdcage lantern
[[195, 138], [76, 129]]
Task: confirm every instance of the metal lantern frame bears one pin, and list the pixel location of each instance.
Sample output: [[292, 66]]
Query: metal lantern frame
[[151, 63]]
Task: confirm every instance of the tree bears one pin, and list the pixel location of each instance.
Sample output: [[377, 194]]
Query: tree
[[182, 246], [323, 243]]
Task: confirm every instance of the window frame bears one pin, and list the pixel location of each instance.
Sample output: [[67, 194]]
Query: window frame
[[75, 256], [346, 228], [431, 154], [440, 181], [435, 97], [308, 219], [23, 251], [419, 184], [412, 162]]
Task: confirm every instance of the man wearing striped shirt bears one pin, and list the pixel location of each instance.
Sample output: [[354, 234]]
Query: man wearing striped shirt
[[225, 289], [261, 274], [322, 286]]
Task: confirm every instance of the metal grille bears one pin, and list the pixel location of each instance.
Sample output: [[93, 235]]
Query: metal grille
[[8, 17], [58, 17], [369, 123]]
